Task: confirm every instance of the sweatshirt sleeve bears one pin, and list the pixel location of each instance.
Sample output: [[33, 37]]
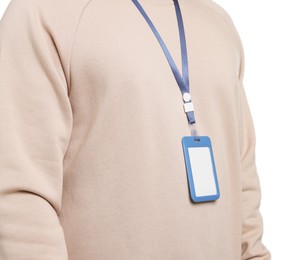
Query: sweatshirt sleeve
[[35, 128], [252, 225]]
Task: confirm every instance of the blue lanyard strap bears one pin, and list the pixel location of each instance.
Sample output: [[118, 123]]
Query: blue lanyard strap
[[183, 82]]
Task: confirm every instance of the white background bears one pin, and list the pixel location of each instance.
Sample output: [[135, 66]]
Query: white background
[[270, 35], [269, 31]]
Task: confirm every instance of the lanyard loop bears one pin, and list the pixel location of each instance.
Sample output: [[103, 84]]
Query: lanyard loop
[[183, 81]]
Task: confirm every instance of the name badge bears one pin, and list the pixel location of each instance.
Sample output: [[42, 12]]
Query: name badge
[[200, 167]]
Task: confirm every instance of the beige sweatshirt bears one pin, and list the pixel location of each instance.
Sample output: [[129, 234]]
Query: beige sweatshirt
[[91, 160]]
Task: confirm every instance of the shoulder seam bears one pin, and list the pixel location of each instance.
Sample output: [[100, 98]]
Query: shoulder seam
[[229, 22], [227, 19], [72, 46]]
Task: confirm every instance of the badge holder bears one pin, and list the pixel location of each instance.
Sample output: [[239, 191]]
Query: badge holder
[[200, 167]]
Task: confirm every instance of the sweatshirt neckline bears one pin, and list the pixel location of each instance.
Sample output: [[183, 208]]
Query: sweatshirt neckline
[[158, 2]]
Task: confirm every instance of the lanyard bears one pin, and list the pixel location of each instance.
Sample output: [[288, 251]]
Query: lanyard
[[183, 82]]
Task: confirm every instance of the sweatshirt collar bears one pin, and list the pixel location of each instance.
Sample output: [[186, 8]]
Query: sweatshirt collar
[[157, 2]]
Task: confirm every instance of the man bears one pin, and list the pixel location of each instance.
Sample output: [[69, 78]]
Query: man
[[92, 165]]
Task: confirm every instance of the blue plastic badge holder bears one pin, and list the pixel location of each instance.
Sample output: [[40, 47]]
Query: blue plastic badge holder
[[200, 167]]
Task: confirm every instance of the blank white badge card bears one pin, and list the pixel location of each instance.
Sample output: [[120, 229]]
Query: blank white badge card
[[201, 169]]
